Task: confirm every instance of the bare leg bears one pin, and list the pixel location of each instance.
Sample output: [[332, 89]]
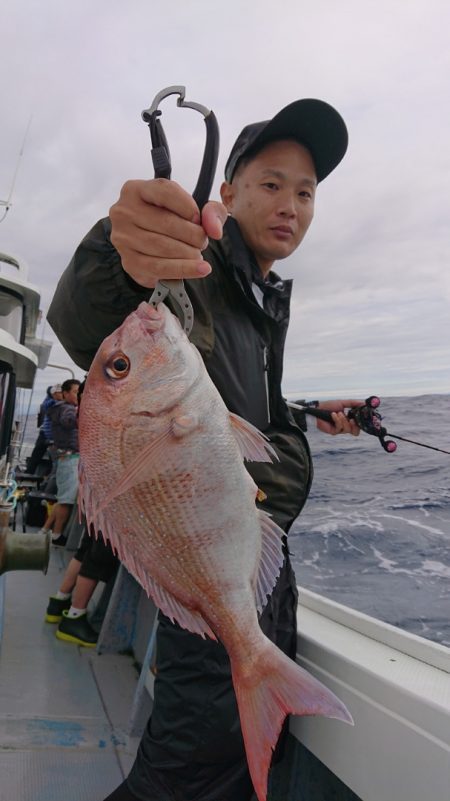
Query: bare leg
[[84, 589], [61, 512], [70, 576], [50, 520]]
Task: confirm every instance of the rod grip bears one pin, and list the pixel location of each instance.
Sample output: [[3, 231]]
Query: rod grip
[[321, 414]]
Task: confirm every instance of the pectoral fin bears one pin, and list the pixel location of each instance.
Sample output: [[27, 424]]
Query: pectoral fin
[[254, 445]]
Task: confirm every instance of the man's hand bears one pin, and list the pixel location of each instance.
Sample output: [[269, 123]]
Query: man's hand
[[341, 424], [159, 232]]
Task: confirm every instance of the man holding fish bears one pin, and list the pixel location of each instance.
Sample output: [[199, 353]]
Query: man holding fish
[[196, 742]]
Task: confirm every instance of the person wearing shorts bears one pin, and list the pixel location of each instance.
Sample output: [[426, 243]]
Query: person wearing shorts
[[67, 478], [64, 419]]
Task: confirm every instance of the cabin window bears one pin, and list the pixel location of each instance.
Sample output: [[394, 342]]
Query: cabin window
[[11, 313]]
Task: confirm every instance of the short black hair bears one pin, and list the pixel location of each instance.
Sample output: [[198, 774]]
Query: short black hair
[[67, 385], [246, 159], [252, 152]]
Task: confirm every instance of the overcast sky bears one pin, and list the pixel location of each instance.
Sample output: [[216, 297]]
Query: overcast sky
[[372, 281]]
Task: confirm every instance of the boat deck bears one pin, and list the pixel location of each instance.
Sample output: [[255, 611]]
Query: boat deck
[[66, 713], [63, 709]]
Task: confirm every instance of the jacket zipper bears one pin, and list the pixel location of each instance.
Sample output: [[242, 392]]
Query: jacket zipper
[[266, 381]]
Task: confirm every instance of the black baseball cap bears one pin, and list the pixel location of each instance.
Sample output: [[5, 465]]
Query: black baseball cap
[[313, 123]]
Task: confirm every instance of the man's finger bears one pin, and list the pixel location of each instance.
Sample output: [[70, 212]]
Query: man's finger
[[132, 220], [148, 243], [147, 271], [350, 403], [214, 215], [161, 192]]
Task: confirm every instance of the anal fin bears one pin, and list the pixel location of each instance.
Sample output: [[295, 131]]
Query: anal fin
[[173, 609], [96, 519], [271, 559]]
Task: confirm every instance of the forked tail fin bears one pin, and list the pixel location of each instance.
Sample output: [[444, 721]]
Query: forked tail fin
[[276, 687]]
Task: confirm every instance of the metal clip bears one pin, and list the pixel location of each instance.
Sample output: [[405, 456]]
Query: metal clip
[[163, 169]]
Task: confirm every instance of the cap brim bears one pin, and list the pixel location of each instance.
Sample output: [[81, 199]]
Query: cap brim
[[314, 124]]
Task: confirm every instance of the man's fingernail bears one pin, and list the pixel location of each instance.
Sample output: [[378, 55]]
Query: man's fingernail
[[196, 218], [203, 268]]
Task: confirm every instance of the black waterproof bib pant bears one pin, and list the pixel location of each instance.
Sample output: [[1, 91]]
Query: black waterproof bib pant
[[192, 748]]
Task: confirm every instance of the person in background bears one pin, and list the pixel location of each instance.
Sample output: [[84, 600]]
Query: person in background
[[45, 436], [93, 561], [192, 748], [64, 422]]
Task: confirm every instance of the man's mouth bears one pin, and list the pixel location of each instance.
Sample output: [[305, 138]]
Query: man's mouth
[[282, 230]]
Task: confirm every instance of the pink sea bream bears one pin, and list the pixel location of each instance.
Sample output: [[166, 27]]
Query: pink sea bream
[[162, 476]]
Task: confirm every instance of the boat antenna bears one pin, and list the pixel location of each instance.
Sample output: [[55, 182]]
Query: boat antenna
[[8, 203]]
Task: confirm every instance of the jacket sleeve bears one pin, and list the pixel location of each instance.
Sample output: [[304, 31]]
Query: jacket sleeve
[[68, 417], [93, 296]]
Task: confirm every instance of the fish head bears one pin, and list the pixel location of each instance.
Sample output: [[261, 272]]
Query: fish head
[[143, 368]]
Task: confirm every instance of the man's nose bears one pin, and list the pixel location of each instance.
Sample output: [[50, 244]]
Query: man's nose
[[287, 206]]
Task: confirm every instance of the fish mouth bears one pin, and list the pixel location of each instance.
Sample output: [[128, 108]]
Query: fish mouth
[[152, 317]]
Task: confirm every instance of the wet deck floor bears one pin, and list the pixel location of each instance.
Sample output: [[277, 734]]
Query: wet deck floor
[[63, 709]]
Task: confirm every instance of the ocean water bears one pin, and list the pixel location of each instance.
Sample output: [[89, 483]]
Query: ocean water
[[375, 532]]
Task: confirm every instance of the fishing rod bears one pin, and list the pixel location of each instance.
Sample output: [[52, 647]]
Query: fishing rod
[[369, 421]]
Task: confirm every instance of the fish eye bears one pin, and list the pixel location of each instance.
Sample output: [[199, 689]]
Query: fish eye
[[118, 366]]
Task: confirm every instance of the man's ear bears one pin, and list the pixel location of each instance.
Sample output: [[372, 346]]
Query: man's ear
[[227, 195]]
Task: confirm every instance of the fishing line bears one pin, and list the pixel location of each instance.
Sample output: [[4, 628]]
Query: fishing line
[[414, 442]]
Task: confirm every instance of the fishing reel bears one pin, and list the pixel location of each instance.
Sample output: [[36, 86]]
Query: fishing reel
[[369, 420]]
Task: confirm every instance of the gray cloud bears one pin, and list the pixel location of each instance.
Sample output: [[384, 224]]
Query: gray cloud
[[372, 283]]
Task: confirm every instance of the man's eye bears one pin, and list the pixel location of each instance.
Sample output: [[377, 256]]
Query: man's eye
[[270, 185], [118, 366]]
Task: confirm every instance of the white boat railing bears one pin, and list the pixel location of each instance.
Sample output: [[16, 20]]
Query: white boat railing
[[396, 686]]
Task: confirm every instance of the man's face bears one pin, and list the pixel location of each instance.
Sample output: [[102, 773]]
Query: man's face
[[272, 200], [72, 395]]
